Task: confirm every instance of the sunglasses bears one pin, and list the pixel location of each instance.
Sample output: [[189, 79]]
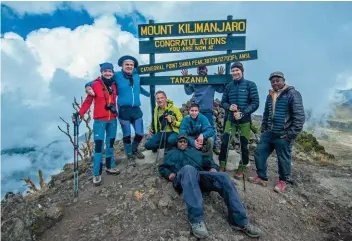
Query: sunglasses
[[182, 141]]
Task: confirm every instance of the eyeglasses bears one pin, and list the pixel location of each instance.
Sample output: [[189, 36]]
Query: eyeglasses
[[183, 141]]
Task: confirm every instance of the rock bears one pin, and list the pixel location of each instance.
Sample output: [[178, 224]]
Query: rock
[[150, 182], [14, 229], [164, 201], [54, 212]]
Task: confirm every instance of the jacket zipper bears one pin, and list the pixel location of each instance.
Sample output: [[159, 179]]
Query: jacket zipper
[[132, 97]]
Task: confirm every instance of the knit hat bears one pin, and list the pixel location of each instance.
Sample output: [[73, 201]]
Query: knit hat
[[277, 74], [127, 57], [238, 65], [105, 66]]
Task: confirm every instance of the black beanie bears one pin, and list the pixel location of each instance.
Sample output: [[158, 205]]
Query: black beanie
[[238, 65]]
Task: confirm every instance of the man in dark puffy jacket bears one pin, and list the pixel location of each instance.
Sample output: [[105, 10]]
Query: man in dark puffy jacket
[[192, 173], [283, 120], [241, 99]]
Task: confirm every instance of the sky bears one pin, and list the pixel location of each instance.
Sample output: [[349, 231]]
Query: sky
[[49, 50]]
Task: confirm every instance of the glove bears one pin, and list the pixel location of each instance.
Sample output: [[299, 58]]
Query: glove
[[238, 115], [75, 116]]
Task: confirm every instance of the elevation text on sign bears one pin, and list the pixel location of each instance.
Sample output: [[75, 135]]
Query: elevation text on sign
[[193, 63]]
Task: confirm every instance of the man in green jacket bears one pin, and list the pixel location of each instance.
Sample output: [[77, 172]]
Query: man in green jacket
[[192, 173], [165, 125], [241, 99]]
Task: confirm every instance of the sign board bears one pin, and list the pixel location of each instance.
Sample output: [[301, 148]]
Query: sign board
[[193, 63], [214, 27], [181, 80], [193, 44], [226, 42]]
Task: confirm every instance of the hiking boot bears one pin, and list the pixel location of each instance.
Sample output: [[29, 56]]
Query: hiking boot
[[250, 230], [280, 186], [257, 180], [200, 230], [113, 171], [239, 173], [216, 150], [139, 155], [97, 180], [130, 161], [222, 169]]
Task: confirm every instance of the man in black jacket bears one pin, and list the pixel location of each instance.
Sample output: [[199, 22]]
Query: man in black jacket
[[192, 173], [241, 99], [283, 120]]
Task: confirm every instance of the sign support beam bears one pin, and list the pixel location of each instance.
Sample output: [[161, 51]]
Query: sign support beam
[[152, 87]]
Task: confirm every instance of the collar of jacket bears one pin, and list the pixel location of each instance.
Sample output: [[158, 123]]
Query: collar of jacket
[[238, 81], [281, 91]]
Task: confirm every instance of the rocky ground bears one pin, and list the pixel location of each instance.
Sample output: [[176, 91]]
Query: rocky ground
[[140, 205]]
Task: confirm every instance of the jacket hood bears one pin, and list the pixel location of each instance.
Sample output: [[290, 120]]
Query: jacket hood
[[169, 103]]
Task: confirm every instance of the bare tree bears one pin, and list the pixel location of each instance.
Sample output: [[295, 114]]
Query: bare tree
[[87, 146]]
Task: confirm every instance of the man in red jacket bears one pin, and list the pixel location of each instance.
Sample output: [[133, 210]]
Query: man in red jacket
[[104, 116]]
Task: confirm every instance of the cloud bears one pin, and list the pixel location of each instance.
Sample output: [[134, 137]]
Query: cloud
[[42, 74], [23, 8]]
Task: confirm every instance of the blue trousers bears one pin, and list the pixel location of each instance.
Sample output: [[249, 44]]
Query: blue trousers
[[209, 115], [101, 127], [268, 143], [192, 182], [126, 131], [154, 142]]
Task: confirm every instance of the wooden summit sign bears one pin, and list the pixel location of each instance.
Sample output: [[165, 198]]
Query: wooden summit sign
[[227, 43]]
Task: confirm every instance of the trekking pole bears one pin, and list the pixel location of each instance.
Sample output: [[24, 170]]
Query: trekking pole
[[75, 154], [241, 160], [228, 144], [163, 133]]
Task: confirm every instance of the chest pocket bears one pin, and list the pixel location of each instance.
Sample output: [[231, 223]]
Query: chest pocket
[[101, 94]]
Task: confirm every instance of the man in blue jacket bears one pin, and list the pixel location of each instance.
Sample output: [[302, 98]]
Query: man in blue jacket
[[129, 111], [192, 173], [199, 131], [204, 97], [283, 120], [241, 99]]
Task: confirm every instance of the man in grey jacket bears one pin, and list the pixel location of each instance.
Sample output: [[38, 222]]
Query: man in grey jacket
[[203, 95], [283, 120]]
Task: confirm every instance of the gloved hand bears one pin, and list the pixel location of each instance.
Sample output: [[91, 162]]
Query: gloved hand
[[237, 115], [90, 91]]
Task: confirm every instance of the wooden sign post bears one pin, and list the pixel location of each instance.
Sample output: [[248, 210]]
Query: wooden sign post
[[198, 44]]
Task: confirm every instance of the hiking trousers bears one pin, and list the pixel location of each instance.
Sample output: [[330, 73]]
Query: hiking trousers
[[267, 144], [104, 130], [210, 116], [229, 133], [131, 116], [154, 141], [192, 182]]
